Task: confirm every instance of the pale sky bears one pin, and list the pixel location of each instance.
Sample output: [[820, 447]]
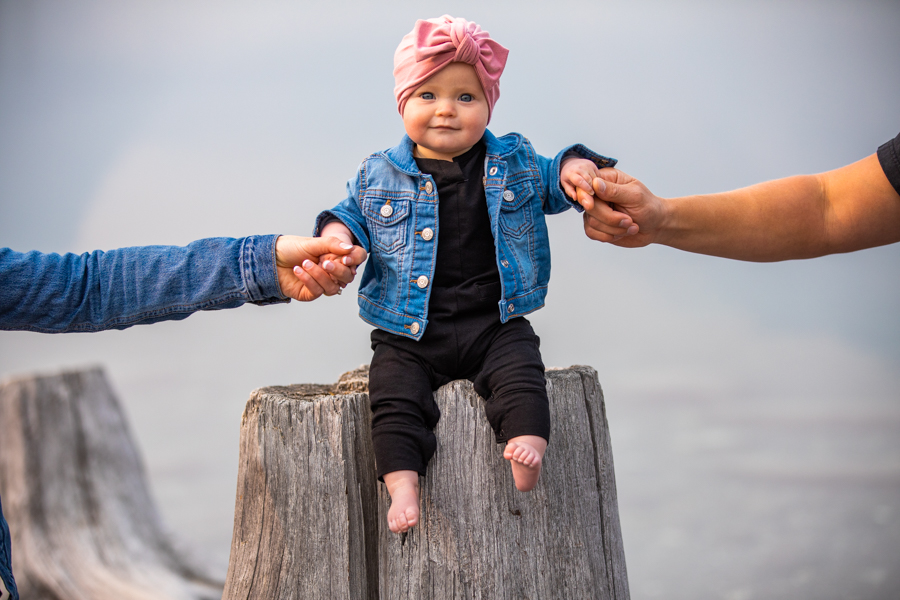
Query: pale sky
[[163, 122]]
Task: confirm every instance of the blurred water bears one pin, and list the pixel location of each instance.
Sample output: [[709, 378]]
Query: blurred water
[[754, 409]]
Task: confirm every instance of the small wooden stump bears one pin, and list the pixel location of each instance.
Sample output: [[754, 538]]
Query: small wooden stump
[[306, 525], [83, 523]]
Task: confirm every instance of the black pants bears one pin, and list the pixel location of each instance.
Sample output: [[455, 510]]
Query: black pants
[[503, 360]]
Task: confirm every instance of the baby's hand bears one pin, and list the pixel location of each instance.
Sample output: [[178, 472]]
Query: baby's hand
[[577, 176], [332, 265], [340, 231]]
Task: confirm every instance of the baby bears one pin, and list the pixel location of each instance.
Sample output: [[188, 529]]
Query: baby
[[453, 219]]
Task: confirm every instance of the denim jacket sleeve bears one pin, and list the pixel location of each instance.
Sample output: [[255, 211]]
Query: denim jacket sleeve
[[52, 293], [556, 199], [349, 213], [6, 575]]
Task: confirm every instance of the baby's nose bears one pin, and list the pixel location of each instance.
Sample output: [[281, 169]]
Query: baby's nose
[[445, 107]]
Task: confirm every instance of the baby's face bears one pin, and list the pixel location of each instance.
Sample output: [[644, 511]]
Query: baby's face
[[447, 114]]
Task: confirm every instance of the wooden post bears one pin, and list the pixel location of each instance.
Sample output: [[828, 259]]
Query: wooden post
[[305, 512], [83, 523], [305, 524]]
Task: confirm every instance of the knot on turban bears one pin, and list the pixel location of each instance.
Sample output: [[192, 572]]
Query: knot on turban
[[435, 43]]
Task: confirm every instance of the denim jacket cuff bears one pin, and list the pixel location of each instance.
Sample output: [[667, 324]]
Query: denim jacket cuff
[[258, 270]]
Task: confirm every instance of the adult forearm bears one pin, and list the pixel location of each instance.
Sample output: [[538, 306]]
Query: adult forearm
[[771, 221], [843, 210]]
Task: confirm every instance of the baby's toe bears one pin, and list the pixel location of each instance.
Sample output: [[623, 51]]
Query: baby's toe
[[411, 517]]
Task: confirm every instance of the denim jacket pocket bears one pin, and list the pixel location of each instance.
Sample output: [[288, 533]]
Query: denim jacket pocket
[[516, 218], [387, 222]]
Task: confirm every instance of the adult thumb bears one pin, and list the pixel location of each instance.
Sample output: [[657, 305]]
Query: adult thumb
[[324, 245]]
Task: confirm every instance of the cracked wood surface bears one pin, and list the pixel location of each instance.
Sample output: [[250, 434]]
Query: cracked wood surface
[[310, 520]]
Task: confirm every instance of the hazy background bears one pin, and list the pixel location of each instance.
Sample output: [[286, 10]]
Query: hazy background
[[754, 409]]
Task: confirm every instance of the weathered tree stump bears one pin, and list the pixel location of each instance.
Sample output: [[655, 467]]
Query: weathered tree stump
[[83, 523], [305, 514], [305, 517]]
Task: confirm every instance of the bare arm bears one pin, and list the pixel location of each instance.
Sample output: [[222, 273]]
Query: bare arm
[[846, 209]]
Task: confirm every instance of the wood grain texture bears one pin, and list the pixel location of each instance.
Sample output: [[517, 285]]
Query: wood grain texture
[[481, 538], [305, 508], [83, 523], [310, 521]]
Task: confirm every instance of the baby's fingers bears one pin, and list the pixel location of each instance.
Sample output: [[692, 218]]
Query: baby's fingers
[[341, 273], [577, 181], [568, 188], [316, 279], [586, 201]]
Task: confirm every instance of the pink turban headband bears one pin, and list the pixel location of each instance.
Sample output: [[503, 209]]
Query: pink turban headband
[[434, 44]]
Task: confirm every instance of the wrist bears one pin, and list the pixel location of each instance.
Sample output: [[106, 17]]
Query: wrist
[[282, 243], [338, 230], [344, 237], [675, 221]]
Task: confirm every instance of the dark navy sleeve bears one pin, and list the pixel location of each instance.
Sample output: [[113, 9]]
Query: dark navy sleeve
[[889, 157]]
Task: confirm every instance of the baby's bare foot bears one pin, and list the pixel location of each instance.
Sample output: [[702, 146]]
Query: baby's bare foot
[[403, 486], [525, 454]]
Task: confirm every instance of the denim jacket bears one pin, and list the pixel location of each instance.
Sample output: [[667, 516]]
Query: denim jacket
[[392, 209], [52, 293], [8, 591]]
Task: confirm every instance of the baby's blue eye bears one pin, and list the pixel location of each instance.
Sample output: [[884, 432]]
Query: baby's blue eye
[[466, 98], [427, 96]]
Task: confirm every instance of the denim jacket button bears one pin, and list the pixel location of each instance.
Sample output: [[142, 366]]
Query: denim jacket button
[[422, 282], [509, 196], [504, 262], [428, 187], [427, 234], [387, 210], [510, 308], [493, 171], [414, 328]]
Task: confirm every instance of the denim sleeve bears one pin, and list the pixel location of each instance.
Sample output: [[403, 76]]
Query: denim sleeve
[[52, 293], [6, 576], [556, 200], [348, 212]]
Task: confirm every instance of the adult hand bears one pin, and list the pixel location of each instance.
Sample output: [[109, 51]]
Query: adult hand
[[300, 275], [803, 216], [622, 210]]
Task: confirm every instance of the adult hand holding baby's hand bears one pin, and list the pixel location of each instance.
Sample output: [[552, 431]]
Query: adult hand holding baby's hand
[[622, 211], [582, 180], [310, 267]]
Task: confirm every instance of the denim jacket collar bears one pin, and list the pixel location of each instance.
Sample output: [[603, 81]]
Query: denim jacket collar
[[401, 155]]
